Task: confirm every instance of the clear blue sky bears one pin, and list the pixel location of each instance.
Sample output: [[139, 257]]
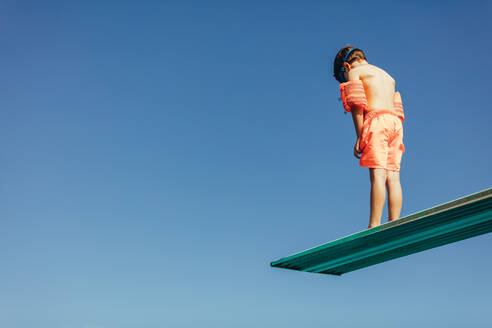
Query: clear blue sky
[[156, 156]]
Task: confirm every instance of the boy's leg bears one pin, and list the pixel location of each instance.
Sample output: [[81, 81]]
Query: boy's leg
[[378, 195], [394, 194]]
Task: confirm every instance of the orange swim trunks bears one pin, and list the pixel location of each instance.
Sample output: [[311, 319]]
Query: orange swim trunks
[[382, 140]]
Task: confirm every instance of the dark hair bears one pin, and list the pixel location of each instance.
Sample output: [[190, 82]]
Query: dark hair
[[357, 54]]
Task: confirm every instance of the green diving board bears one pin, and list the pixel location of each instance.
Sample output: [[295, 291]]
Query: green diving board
[[460, 219]]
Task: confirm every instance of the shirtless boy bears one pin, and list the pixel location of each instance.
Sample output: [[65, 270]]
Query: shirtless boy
[[368, 92]]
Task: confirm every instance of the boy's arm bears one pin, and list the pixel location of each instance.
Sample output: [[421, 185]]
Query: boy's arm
[[358, 117], [357, 110]]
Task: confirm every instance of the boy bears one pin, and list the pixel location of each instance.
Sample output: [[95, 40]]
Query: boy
[[368, 92]]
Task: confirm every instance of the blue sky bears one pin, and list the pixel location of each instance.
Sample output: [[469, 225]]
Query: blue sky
[[156, 156]]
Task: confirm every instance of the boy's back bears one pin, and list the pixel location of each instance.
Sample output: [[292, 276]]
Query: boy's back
[[379, 86]]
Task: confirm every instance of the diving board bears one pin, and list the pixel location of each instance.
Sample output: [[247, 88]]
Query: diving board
[[460, 219]]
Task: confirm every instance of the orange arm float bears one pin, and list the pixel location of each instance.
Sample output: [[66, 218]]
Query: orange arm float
[[398, 106], [353, 95]]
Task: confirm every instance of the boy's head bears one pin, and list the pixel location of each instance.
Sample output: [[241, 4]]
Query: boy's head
[[348, 55]]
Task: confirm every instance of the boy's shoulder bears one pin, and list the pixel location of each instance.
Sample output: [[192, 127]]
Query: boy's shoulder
[[369, 70]]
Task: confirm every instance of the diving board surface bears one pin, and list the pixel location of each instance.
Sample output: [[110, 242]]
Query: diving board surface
[[460, 219]]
